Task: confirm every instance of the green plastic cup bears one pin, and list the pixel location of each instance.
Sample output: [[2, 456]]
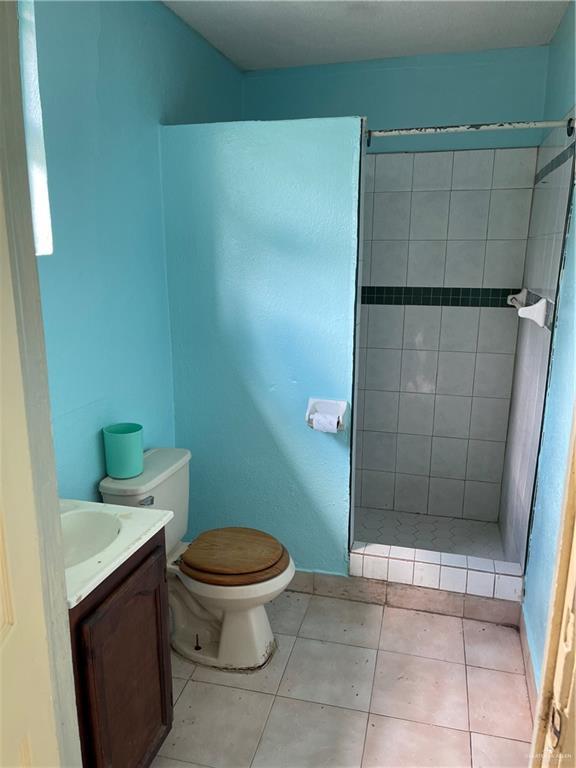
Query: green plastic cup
[[124, 451]]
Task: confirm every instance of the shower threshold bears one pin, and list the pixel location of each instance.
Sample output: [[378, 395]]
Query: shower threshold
[[431, 551], [439, 534]]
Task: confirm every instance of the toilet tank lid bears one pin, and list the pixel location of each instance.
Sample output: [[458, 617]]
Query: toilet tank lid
[[159, 464]]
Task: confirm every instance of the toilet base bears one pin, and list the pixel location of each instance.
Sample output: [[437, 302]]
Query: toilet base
[[246, 642], [222, 627]]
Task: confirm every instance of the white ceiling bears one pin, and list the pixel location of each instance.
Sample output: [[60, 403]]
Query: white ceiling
[[263, 34]]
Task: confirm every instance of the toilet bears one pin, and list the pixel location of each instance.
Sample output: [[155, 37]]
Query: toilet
[[218, 584]]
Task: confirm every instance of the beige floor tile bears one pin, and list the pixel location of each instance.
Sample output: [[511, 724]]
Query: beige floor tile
[[167, 762], [422, 634], [493, 752], [493, 647], [181, 667], [392, 743], [177, 688], [265, 680], [329, 673], [287, 611], [303, 735], [342, 621], [425, 690], [499, 704], [215, 725]]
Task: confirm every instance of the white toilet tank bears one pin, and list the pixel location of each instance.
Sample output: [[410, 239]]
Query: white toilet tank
[[163, 484]]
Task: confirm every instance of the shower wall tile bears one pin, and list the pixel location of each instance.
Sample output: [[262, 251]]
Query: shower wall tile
[[416, 414], [377, 489], [422, 327], [432, 170], [493, 376], [436, 380], [473, 169], [498, 329], [465, 263], [509, 213], [459, 329], [481, 501], [368, 215], [429, 215], [383, 369], [485, 461], [449, 457], [391, 218], [514, 168], [542, 264], [369, 168], [359, 415], [381, 410], [363, 329], [413, 454], [389, 261], [468, 215], [489, 419], [426, 262], [452, 416], [455, 373], [393, 172], [385, 326], [360, 365], [446, 497], [504, 264], [365, 265], [379, 451], [411, 494], [419, 370]]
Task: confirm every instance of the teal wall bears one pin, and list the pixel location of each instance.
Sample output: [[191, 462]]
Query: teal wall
[[109, 74], [554, 455], [443, 89], [261, 241]]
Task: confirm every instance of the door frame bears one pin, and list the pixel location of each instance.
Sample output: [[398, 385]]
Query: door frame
[[26, 292], [557, 606]]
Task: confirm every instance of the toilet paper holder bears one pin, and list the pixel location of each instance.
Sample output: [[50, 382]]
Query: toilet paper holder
[[333, 407]]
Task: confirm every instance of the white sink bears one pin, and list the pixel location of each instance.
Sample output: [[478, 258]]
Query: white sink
[[85, 533], [98, 538]]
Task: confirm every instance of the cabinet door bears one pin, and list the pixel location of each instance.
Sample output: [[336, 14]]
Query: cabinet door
[[127, 669]]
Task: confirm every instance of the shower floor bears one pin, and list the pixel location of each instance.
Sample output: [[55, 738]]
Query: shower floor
[[440, 534]]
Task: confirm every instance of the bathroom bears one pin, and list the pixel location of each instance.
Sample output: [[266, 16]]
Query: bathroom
[[332, 259]]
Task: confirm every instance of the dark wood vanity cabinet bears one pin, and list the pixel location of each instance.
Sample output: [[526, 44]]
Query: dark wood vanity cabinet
[[121, 653]]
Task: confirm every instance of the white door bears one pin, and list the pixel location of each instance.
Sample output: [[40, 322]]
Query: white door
[[37, 706]]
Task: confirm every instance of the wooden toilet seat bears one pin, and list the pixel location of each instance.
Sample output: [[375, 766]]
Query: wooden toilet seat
[[234, 557]]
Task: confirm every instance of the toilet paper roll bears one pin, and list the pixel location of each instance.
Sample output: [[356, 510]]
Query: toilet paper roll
[[325, 422]]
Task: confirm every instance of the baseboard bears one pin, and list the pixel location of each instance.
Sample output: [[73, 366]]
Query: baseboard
[[528, 667], [489, 609]]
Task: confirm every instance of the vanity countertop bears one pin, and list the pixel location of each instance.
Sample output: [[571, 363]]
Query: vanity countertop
[[132, 526]]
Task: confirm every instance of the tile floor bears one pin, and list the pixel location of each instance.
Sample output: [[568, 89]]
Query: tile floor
[[357, 685], [441, 534]]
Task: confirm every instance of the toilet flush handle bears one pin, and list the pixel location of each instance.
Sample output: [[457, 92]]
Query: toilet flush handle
[[147, 501]]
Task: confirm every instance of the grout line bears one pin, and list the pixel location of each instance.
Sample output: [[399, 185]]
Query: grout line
[[277, 687], [372, 686], [466, 681]]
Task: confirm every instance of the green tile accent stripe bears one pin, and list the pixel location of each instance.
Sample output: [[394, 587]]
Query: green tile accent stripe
[[438, 297]]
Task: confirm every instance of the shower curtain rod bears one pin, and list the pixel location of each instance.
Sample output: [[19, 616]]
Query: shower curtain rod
[[472, 127]]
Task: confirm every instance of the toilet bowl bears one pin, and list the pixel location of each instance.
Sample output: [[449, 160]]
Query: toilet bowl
[[219, 584], [231, 631]]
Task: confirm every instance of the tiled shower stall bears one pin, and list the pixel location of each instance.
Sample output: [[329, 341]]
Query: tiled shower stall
[[445, 243]]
